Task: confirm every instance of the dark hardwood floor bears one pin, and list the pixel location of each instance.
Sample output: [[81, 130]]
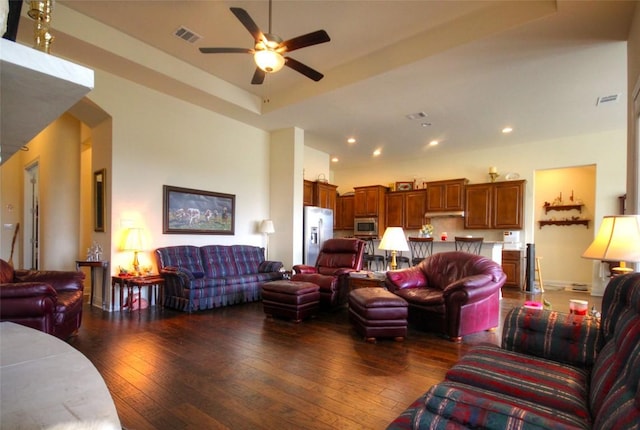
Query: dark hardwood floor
[[233, 368]]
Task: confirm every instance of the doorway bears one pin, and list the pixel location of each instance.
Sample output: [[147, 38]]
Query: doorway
[[570, 192]]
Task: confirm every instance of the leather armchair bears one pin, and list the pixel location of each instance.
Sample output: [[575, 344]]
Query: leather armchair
[[452, 293], [337, 258], [47, 300]]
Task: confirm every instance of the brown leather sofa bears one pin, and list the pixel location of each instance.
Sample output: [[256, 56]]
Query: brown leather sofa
[[47, 300], [452, 293], [337, 258]]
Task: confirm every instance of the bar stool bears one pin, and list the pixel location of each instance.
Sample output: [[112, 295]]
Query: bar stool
[[472, 245], [370, 254], [421, 248]]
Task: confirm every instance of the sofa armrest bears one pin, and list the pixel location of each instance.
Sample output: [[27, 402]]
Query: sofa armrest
[[60, 280], [270, 266], [26, 299], [181, 276], [566, 338], [304, 269]]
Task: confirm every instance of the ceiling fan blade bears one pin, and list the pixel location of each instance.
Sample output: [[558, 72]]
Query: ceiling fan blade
[[305, 40], [248, 22], [304, 69], [258, 76], [226, 50]]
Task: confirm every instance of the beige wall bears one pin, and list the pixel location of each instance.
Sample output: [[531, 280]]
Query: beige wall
[[57, 152], [561, 247], [633, 152]]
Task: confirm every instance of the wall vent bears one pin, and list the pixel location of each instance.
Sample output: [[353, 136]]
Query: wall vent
[[185, 34], [607, 99]]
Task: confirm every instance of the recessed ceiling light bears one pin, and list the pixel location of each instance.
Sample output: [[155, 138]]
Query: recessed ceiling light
[[335, 160], [433, 143], [507, 130], [377, 152], [351, 140], [425, 124]]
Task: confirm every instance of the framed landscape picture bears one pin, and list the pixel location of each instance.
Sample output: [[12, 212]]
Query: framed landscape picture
[[188, 211]]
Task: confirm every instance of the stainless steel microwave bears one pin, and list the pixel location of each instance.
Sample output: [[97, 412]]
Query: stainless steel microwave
[[365, 226]]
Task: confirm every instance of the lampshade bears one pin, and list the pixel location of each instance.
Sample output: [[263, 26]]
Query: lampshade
[[133, 240], [268, 60], [394, 240], [618, 240], [266, 226]]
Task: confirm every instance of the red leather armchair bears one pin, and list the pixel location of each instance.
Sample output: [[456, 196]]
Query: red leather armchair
[[453, 293], [336, 259], [47, 300]]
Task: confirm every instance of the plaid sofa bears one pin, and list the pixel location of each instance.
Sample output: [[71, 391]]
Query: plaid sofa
[[554, 371], [206, 277]]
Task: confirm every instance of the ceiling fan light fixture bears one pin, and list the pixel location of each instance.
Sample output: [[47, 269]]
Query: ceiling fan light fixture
[[269, 61]]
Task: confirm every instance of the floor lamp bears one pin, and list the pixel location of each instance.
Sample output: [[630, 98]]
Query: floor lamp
[[617, 240], [266, 228]]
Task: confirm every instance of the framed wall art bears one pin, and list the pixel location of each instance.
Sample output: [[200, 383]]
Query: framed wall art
[[404, 186], [188, 211], [99, 199]]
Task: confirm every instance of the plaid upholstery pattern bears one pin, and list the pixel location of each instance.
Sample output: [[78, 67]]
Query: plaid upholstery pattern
[[544, 382], [515, 388], [183, 257], [218, 261], [199, 278], [566, 338], [615, 391], [450, 405]]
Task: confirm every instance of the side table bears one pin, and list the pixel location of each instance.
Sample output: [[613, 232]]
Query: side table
[[356, 282], [154, 283], [104, 264]]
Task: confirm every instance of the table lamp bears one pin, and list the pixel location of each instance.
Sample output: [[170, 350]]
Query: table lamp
[[617, 240], [133, 242], [266, 228], [394, 240]]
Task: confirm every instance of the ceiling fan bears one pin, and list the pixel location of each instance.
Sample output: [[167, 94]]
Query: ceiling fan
[[269, 50]]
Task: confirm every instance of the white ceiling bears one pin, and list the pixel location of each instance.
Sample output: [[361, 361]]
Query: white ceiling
[[472, 66]]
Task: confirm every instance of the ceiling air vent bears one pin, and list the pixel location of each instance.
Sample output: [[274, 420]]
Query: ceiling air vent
[[416, 115], [607, 99], [185, 34]]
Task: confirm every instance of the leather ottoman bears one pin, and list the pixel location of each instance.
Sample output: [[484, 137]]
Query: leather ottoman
[[290, 299], [376, 312]]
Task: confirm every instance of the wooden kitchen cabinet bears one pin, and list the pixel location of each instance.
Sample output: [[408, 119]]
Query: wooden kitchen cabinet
[[369, 201], [497, 205], [319, 194], [446, 195], [406, 209], [508, 203], [325, 195], [343, 217], [512, 267], [307, 193]]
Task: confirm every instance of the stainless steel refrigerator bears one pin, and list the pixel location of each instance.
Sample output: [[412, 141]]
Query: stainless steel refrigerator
[[318, 227]]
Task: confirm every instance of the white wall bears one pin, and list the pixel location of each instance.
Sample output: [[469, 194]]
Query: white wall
[[159, 140]]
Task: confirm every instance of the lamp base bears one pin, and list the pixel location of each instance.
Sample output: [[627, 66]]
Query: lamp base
[[394, 263]]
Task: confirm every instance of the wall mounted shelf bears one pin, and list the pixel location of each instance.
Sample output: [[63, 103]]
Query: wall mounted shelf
[[584, 222], [562, 208]]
